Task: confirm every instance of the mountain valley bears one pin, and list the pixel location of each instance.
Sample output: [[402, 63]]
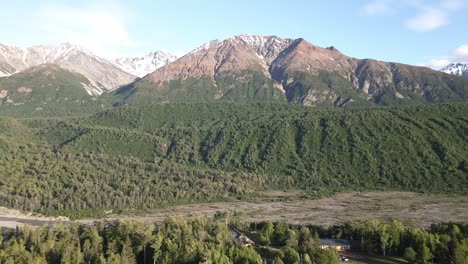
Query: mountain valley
[[234, 132], [244, 108], [167, 159]]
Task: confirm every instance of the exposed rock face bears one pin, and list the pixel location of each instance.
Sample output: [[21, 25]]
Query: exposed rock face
[[102, 74], [271, 53], [142, 66], [311, 75], [234, 54], [304, 56], [248, 68]]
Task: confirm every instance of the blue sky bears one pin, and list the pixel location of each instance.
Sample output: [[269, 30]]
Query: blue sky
[[423, 32]]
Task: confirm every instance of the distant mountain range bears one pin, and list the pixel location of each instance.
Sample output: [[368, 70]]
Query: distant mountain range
[[254, 68], [460, 69], [243, 69]]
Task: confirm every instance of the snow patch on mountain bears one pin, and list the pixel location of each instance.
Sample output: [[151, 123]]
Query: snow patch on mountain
[[459, 69], [103, 74], [207, 46], [142, 66], [267, 48], [22, 58], [4, 73]]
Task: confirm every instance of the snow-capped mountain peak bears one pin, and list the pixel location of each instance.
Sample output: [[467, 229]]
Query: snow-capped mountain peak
[[102, 74], [460, 69], [207, 46], [266, 47], [141, 66], [53, 53]]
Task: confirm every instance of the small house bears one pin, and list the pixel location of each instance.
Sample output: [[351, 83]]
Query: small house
[[337, 244], [242, 239]]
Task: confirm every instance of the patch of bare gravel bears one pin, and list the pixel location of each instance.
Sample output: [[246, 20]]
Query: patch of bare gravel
[[418, 209], [11, 218]]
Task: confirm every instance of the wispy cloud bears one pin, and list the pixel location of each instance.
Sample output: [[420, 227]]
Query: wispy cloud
[[428, 19], [426, 16], [453, 4], [436, 63], [458, 55], [379, 7], [99, 28], [461, 53]]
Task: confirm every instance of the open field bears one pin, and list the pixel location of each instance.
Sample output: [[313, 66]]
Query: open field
[[415, 209]]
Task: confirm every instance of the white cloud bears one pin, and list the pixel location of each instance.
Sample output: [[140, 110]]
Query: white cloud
[[428, 15], [428, 20], [378, 7], [437, 63], [461, 53], [453, 4], [101, 29], [458, 55]]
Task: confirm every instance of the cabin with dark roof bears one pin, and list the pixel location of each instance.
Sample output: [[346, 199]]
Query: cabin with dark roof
[[242, 239], [337, 244]]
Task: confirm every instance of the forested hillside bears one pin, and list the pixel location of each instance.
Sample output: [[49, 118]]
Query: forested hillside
[[155, 156]]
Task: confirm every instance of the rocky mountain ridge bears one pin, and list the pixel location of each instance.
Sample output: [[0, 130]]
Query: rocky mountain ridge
[[102, 73], [238, 53], [141, 66], [305, 73], [242, 68]]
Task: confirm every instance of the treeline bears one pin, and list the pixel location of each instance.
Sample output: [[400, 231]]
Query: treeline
[[202, 240], [174, 241], [440, 243]]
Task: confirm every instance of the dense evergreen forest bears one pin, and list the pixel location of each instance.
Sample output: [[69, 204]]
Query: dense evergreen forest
[[146, 157], [202, 240]]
